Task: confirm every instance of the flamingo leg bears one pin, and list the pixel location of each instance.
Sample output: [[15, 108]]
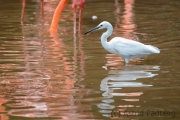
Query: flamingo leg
[[74, 5], [81, 7], [42, 9], [22, 11], [81, 4], [57, 13], [80, 19]]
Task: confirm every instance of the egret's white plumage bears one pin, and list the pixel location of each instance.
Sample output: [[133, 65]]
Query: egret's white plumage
[[125, 48]]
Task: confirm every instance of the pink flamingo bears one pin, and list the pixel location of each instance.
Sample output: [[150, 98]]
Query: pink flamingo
[[62, 4], [59, 9]]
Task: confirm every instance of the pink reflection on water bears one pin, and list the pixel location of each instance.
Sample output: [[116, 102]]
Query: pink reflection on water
[[125, 24], [131, 100], [124, 27], [23, 9], [48, 85]]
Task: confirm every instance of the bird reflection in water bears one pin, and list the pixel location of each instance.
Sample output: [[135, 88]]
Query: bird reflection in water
[[123, 77]]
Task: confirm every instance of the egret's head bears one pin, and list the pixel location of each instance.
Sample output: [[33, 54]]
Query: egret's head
[[102, 25]]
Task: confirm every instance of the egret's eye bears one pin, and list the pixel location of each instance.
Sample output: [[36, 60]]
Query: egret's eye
[[101, 25]]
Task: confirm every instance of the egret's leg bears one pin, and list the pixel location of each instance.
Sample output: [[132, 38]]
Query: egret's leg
[[126, 64], [126, 60]]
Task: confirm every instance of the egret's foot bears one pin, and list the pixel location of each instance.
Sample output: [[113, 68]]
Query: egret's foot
[[126, 60], [126, 64]]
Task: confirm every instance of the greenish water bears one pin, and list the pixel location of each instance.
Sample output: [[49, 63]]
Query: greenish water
[[63, 76]]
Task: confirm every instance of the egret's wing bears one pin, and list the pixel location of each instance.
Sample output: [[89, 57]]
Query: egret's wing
[[129, 47]]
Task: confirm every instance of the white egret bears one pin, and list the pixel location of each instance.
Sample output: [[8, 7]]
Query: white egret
[[125, 48]]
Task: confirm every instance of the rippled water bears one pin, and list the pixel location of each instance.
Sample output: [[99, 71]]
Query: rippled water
[[70, 76]]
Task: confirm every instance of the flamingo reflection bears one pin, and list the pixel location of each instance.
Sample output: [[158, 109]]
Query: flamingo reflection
[[23, 9], [127, 26], [49, 82]]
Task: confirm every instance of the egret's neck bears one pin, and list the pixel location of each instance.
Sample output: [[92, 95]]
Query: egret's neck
[[105, 35]]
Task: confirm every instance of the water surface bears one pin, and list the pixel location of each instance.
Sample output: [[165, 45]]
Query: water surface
[[70, 76]]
